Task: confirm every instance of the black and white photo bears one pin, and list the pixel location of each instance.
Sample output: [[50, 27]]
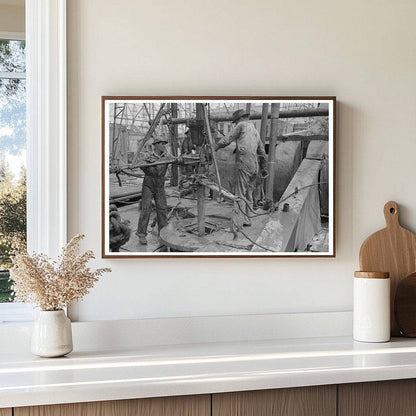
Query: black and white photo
[[218, 176]]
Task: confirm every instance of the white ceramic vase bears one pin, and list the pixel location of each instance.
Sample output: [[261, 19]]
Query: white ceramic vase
[[52, 334]]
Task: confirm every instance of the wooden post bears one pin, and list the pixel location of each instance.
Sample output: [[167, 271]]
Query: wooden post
[[199, 111], [271, 164], [174, 180], [248, 108], [264, 120], [201, 209], [113, 147]]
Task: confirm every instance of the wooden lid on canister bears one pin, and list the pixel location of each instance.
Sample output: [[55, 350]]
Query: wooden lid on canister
[[372, 275]]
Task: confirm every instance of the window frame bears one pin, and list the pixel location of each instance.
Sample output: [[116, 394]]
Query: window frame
[[46, 126]]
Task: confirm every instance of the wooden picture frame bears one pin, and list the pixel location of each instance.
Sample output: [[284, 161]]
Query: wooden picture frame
[[288, 203]]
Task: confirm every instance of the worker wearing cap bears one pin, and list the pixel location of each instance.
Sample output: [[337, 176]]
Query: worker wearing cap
[[153, 188], [249, 155]]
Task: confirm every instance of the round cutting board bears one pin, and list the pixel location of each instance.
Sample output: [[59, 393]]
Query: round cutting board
[[405, 306]]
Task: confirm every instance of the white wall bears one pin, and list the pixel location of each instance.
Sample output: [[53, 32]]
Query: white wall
[[361, 51]]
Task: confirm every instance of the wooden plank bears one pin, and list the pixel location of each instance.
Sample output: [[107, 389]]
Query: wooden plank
[[308, 401], [382, 398], [177, 235], [282, 231], [5, 412], [317, 149], [288, 160], [160, 406]]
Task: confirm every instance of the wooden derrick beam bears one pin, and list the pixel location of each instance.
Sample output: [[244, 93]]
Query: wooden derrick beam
[[271, 163], [288, 231], [263, 125], [301, 138], [175, 145], [312, 112]]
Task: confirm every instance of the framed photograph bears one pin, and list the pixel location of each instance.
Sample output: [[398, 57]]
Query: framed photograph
[[218, 176]]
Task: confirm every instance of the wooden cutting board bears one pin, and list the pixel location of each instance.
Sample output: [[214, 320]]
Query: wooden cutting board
[[405, 305], [393, 250]]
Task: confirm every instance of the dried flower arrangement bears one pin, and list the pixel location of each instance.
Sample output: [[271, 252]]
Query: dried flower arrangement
[[53, 285]]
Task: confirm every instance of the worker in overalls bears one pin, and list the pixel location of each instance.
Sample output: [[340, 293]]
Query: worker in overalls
[[249, 155], [153, 188]]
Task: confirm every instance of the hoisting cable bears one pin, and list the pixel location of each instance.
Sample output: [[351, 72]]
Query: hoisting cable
[[274, 207], [256, 244]]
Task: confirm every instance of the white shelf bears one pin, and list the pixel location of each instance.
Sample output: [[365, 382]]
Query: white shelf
[[150, 371]]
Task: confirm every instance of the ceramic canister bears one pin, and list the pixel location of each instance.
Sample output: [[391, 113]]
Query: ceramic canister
[[371, 313]]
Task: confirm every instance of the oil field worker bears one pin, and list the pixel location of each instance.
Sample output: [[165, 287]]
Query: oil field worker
[[153, 188], [249, 155]]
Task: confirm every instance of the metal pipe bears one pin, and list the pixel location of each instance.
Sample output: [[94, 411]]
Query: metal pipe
[[163, 161], [312, 112], [263, 126], [201, 209], [271, 164], [125, 198], [211, 144], [175, 168], [126, 195]]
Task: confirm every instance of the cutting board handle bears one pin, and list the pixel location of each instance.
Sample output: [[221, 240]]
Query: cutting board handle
[[391, 213]]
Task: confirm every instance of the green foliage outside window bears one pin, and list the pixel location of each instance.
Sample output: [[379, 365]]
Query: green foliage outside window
[[12, 224]]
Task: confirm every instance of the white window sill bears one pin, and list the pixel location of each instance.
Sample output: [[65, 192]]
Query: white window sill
[[16, 313]]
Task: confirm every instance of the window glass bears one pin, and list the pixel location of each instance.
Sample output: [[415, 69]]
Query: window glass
[[12, 56], [12, 156]]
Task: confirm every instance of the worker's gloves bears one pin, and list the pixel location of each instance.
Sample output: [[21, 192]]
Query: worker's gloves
[[264, 173]]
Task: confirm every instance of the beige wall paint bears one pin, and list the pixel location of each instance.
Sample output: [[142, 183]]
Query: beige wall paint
[[361, 51], [12, 18]]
